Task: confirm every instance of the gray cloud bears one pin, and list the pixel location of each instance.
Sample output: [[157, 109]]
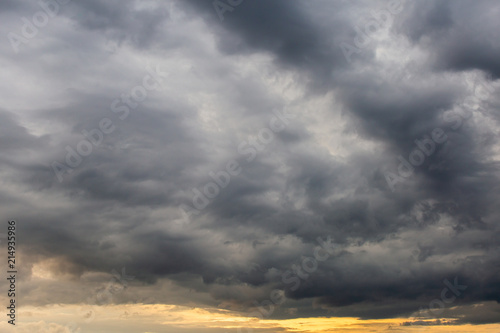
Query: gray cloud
[[324, 174]]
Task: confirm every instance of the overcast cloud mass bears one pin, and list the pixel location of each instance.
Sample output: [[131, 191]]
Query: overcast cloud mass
[[212, 149]]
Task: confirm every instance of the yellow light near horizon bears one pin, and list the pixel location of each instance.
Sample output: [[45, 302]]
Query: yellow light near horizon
[[170, 317]]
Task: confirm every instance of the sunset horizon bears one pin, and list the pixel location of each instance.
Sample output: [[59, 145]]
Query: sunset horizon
[[250, 166]]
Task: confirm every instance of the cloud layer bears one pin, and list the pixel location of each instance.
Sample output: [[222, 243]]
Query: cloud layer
[[391, 151]]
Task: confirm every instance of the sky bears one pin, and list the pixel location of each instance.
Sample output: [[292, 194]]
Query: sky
[[250, 166]]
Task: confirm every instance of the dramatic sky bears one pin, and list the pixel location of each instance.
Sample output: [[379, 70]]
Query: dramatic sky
[[251, 165]]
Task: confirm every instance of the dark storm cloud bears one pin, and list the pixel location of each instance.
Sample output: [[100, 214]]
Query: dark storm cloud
[[120, 21], [459, 35], [119, 207], [301, 35], [399, 113], [13, 137]]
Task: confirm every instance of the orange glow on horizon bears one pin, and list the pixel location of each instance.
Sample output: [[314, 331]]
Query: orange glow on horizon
[[170, 318]]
